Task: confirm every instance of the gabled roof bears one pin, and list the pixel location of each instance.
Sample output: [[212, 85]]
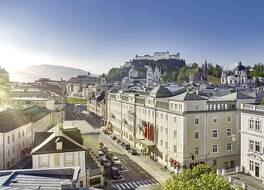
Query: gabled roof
[[160, 92], [45, 142], [186, 96], [237, 96]]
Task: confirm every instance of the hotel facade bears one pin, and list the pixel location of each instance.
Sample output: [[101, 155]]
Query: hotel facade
[[252, 140], [179, 131]]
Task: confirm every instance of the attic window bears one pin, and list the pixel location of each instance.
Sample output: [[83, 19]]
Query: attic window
[[58, 144]]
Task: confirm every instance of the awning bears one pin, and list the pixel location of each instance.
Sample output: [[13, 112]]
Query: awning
[[146, 142]]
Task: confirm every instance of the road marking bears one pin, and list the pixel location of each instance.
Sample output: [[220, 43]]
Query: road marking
[[127, 186], [131, 184], [134, 183], [122, 186], [117, 186], [138, 183]]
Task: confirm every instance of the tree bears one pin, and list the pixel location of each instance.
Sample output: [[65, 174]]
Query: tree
[[258, 70], [202, 177], [262, 102], [182, 76]]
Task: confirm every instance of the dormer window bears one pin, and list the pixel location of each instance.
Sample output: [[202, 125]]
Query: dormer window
[[58, 144]]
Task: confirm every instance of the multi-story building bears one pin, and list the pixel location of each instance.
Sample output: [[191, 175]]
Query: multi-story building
[[16, 132], [180, 130], [252, 140], [97, 106], [60, 148]]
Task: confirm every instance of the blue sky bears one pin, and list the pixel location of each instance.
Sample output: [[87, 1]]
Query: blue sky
[[96, 35]]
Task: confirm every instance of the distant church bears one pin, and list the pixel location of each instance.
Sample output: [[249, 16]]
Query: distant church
[[237, 76]]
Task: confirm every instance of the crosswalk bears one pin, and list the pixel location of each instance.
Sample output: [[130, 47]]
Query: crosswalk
[[136, 184]]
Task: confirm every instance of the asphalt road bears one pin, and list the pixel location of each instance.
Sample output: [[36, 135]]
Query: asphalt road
[[133, 176], [72, 114]]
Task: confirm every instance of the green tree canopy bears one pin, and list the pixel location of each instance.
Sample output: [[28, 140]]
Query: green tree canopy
[[201, 177]]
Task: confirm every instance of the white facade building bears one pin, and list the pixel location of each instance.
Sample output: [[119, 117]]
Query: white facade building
[[181, 130], [17, 132], [252, 140]]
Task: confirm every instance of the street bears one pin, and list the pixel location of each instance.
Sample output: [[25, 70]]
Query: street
[[72, 114], [133, 175]]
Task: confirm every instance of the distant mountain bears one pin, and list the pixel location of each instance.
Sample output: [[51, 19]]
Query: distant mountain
[[54, 72]]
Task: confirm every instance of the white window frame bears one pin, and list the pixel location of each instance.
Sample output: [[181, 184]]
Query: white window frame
[[215, 145], [227, 145], [227, 132], [216, 134]]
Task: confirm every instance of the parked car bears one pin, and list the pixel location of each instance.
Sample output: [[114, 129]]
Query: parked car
[[134, 152], [115, 173], [116, 160], [127, 146], [114, 138], [101, 155], [123, 144], [119, 141], [106, 163]]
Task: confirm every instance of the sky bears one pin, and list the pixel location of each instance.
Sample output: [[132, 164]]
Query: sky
[[96, 35]]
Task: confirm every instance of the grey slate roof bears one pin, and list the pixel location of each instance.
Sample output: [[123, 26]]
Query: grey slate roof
[[186, 96], [160, 92], [237, 96], [50, 146], [42, 179], [12, 119]]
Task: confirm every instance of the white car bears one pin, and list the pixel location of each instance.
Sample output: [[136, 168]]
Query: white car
[[116, 160], [101, 155], [106, 163]]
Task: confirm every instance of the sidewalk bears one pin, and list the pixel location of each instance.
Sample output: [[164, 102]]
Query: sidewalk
[[152, 167]]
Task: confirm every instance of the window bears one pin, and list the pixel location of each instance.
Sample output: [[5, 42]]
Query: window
[[19, 134], [23, 133], [196, 152], [215, 134], [251, 123], [229, 146], [215, 148], [257, 125], [228, 132], [161, 129], [8, 152], [251, 145], [257, 146], [196, 107], [196, 135], [176, 106], [8, 139], [166, 117], [174, 119], [196, 121], [180, 107], [166, 144], [13, 137], [175, 148], [251, 165], [161, 116], [161, 142], [215, 120], [175, 133], [214, 162], [59, 145], [229, 118]]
